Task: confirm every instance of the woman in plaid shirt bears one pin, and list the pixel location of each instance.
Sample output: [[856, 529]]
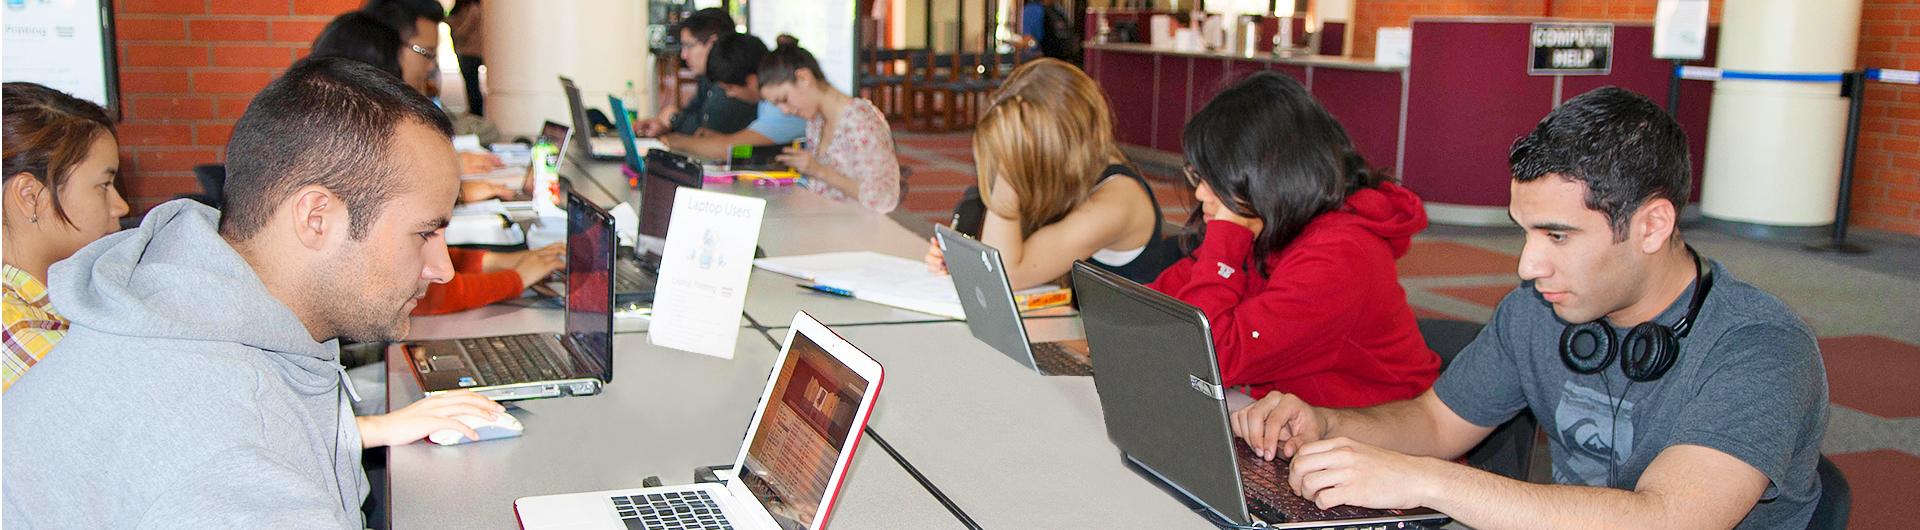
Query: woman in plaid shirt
[[61, 159]]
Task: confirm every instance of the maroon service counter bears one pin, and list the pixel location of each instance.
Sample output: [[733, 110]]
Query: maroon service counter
[[1443, 124], [1155, 90]]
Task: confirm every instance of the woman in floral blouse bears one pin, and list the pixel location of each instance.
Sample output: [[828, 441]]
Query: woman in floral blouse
[[850, 152]]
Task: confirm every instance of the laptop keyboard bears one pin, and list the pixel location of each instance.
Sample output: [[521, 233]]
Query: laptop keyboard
[[671, 511], [511, 359], [1272, 500], [628, 278], [1053, 358]]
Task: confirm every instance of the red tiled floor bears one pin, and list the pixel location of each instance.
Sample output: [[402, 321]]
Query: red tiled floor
[[1488, 296], [1421, 312], [931, 201], [1883, 484], [940, 177], [1872, 374], [1444, 258]]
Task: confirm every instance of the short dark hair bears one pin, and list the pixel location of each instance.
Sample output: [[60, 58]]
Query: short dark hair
[[48, 133], [1267, 149], [1621, 145], [735, 57], [706, 23], [360, 36], [327, 121], [427, 9], [780, 64], [397, 16]]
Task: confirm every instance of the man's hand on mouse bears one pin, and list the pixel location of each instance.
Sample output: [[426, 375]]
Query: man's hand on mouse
[[424, 417]]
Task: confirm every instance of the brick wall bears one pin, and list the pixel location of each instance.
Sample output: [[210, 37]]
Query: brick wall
[[188, 69], [1886, 190]]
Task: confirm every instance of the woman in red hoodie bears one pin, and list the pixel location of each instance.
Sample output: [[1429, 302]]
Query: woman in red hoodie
[[1295, 266]]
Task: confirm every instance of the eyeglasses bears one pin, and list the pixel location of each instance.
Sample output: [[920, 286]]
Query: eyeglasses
[[423, 51], [1193, 177]]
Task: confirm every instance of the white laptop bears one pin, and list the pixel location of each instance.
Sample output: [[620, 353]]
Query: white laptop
[[791, 464]]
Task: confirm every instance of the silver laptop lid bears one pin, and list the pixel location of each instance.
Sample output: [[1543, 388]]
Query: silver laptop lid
[[582, 129], [985, 295], [1159, 386]]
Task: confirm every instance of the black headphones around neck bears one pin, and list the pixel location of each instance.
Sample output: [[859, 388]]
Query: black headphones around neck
[[1651, 348]]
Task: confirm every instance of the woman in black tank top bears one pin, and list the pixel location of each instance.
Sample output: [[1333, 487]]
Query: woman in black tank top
[[1041, 150]]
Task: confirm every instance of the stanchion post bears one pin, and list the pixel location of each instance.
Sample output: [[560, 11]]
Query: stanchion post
[[1853, 85], [1673, 89]]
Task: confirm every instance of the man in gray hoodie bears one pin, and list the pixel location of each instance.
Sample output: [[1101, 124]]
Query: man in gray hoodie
[[200, 385]]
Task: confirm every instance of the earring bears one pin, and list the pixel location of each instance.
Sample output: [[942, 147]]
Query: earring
[[33, 219]]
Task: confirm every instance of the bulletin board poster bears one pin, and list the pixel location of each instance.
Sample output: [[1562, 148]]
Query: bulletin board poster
[[825, 28], [64, 44], [1563, 48]]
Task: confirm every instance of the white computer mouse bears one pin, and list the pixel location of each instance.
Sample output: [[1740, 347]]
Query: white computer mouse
[[505, 426]]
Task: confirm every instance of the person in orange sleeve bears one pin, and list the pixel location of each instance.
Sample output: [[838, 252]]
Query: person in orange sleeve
[[482, 278]]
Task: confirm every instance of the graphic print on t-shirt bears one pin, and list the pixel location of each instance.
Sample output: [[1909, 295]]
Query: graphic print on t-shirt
[[1584, 422]]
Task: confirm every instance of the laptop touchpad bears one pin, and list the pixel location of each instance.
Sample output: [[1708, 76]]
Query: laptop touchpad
[[442, 363]]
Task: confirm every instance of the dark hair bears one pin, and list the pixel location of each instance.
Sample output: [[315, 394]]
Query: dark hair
[[327, 121], [461, 6], [706, 23], [1623, 147], [360, 36], [1268, 150], [47, 133], [735, 57], [780, 64], [395, 16], [427, 9]]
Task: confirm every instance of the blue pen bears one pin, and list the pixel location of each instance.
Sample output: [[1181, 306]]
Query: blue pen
[[826, 289]]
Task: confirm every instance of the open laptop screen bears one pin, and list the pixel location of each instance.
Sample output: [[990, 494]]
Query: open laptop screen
[[625, 127], [808, 423], [666, 174], [590, 280], [582, 129]]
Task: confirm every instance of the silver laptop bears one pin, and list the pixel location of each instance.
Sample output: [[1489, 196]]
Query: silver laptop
[[576, 362], [791, 463], [598, 147], [987, 298], [1166, 410]]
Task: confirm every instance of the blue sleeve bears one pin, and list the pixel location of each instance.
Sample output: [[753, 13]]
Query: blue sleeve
[[778, 126], [1033, 20]]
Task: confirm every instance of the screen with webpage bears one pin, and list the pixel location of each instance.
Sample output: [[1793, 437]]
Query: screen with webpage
[[802, 433]]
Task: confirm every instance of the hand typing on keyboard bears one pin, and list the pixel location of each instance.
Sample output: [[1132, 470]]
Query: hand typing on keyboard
[[1341, 471]]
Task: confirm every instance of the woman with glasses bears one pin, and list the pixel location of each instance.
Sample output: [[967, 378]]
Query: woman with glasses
[[1055, 185], [1295, 265]]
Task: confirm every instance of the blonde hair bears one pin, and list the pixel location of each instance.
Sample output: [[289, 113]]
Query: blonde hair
[[1049, 133]]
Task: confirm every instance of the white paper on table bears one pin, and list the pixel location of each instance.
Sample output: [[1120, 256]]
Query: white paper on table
[[467, 142], [704, 270], [879, 278]]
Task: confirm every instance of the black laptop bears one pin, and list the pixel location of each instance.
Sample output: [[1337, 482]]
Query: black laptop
[[574, 362], [1166, 410]]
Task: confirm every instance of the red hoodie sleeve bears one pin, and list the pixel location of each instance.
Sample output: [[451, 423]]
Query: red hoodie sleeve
[[1287, 329], [469, 287]]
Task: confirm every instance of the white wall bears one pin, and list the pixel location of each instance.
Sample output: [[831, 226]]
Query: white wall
[[601, 44]]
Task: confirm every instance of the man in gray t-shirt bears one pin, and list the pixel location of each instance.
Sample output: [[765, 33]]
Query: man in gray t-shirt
[[1726, 435]]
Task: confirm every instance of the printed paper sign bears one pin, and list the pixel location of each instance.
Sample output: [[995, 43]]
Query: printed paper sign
[[1680, 30], [703, 271]]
